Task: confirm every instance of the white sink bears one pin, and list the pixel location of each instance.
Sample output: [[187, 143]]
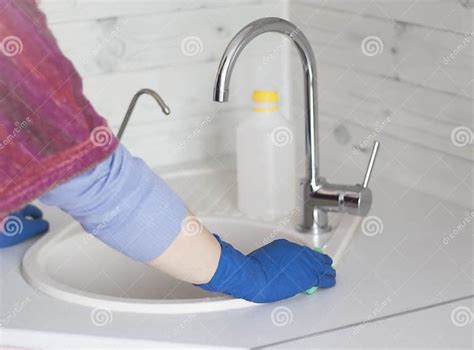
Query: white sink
[[74, 266]]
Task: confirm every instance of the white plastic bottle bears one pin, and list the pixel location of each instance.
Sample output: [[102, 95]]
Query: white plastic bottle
[[265, 160]]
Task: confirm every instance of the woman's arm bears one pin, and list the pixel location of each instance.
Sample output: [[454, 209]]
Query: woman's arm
[[126, 205], [131, 209], [193, 256]]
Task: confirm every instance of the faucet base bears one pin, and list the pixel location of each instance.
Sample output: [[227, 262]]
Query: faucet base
[[311, 220], [314, 230], [314, 221]]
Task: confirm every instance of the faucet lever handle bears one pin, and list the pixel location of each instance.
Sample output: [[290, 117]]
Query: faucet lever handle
[[370, 166]]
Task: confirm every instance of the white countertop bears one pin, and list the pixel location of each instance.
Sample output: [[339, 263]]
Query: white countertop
[[434, 327], [408, 266]]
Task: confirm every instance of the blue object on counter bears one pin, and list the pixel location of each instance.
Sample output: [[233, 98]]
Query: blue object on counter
[[313, 289], [18, 227], [278, 270], [122, 202]]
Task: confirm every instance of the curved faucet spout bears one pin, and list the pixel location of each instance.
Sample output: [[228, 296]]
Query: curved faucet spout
[[232, 52], [318, 195]]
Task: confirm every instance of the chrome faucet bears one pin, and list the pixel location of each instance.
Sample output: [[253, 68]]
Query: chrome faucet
[[318, 196]]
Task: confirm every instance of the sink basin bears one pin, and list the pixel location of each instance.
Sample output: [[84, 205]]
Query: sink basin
[[74, 266]]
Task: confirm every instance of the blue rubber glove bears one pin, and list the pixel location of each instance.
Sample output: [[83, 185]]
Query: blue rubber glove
[[278, 270], [24, 224]]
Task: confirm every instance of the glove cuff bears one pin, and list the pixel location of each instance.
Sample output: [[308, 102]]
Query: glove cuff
[[233, 273]]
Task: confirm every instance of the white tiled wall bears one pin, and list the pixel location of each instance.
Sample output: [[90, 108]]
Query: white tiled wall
[[174, 48], [412, 95], [409, 93]]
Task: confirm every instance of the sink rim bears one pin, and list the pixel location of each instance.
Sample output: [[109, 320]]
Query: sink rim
[[35, 271]]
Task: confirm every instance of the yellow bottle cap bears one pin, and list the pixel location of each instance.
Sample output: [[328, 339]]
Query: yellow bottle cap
[[265, 96]]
